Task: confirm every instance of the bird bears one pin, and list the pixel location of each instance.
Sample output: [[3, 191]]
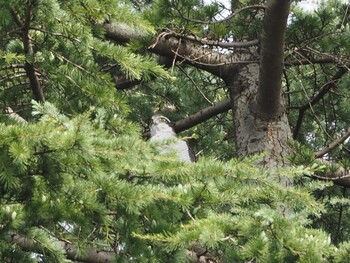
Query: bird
[[162, 131]]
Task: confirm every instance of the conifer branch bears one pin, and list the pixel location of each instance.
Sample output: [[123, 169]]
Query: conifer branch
[[333, 144], [222, 20], [202, 116], [90, 255], [169, 45], [28, 50]]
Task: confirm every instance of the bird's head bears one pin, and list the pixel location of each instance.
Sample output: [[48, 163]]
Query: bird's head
[[161, 124]]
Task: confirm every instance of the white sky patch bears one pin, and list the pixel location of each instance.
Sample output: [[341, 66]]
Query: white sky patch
[[306, 5], [224, 2]]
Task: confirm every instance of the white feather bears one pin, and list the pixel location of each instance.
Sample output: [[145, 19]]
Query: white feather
[[162, 132]]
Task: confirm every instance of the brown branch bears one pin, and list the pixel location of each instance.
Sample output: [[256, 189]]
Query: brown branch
[[121, 33], [169, 45], [194, 54], [337, 174], [271, 59], [28, 51], [123, 83], [90, 255], [202, 116], [333, 144], [323, 91]]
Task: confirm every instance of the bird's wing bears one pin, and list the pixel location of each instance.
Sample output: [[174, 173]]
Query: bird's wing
[[184, 152]]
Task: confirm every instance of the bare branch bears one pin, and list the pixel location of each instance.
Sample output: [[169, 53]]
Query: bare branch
[[121, 33], [333, 144], [202, 116]]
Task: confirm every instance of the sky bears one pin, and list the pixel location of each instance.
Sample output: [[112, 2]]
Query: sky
[[307, 5]]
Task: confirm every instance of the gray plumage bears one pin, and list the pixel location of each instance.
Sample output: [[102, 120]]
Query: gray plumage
[[161, 131]]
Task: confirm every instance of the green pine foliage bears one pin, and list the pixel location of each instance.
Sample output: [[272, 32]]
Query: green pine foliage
[[74, 180], [80, 171]]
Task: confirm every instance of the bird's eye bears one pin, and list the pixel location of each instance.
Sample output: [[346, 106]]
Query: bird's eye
[[162, 119]]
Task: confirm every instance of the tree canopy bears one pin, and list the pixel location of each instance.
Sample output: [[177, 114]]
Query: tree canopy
[[260, 90]]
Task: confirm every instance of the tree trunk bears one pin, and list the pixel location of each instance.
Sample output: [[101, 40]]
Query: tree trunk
[[253, 132]]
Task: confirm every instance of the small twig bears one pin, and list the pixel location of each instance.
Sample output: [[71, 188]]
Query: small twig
[[195, 85], [163, 34], [189, 214], [174, 59], [222, 20]]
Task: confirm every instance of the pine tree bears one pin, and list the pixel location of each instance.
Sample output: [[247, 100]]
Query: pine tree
[[79, 181]]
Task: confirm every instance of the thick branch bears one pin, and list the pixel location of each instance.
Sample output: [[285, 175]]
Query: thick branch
[[323, 91], [122, 33], [170, 45], [28, 51], [90, 255], [271, 61], [194, 54], [335, 173], [333, 144], [202, 116]]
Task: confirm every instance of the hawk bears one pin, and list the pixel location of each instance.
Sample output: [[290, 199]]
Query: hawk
[[161, 130]]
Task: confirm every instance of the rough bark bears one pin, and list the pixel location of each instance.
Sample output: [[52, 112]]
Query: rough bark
[[171, 45], [254, 134], [271, 59]]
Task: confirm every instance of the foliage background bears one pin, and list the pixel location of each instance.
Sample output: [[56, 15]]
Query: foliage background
[[80, 170]]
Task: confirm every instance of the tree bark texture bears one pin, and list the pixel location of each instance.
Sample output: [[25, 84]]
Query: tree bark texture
[[253, 133], [271, 58]]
